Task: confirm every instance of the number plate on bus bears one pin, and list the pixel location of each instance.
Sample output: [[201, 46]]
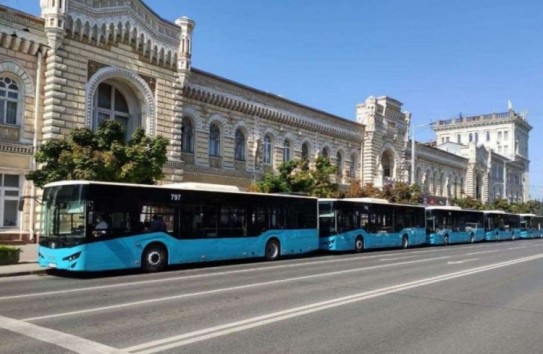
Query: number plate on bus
[[52, 265]]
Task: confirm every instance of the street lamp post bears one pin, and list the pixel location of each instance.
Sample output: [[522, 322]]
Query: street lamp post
[[413, 149]]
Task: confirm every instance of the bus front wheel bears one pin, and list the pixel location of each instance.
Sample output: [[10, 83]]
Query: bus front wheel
[[446, 240], [272, 250], [471, 239], [359, 244], [154, 258]]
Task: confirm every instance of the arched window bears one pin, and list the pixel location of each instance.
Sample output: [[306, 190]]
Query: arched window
[[111, 104], [187, 135], [239, 153], [352, 167], [286, 150], [476, 138], [470, 137], [267, 150], [325, 152], [9, 101], [305, 152], [339, 164], [214, 140]]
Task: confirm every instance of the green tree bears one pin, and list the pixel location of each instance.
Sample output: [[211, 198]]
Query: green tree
[[104, 155], [298, 177], [401, 192], [468, 203], [323, 187]]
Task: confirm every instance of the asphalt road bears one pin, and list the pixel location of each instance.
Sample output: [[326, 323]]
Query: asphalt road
[[480, 298]]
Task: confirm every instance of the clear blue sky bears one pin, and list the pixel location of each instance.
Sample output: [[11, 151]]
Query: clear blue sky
[[438, 57]]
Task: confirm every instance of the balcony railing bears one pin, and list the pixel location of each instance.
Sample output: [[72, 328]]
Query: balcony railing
[[188, 158], [240, 165], [215, 161], [9, 132]]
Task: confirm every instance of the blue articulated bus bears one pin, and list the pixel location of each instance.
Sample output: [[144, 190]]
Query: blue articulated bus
[[355, 224], [500, 225], [530, 226], [96, 226], [452, 224]]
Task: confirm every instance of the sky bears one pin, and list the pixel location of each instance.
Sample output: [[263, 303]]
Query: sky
[[439, 58]]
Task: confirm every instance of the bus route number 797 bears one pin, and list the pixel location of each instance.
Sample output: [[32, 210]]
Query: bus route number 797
[[176, 197]]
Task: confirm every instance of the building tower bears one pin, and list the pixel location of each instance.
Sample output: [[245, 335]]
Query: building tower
[[504, 134], [386, 139]]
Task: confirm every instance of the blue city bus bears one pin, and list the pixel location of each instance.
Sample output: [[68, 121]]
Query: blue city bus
[[452, 224], [500, 225], [356, 224], [530, 226], [97, 226]]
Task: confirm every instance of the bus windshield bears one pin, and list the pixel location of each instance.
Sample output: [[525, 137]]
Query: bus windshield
[[63, 218]]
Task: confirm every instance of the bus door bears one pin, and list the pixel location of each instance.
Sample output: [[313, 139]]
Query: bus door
[[198, 233], [232, 232]]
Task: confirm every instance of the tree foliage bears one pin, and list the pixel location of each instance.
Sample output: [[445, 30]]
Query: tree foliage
[[298, 177], [104, 155]]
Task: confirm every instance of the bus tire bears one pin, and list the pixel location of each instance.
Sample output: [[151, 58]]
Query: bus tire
[[359, 244], [272, 250], [405, 241], [154, 258], [446, 240], [471, 238]]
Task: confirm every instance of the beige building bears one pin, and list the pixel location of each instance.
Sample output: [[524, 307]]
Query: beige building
[[82, 62]]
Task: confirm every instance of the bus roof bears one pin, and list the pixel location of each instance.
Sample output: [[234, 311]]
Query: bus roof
[[527, 214], [203, 187], [368, 200], [194, 186], [493, 211], [443, 207]]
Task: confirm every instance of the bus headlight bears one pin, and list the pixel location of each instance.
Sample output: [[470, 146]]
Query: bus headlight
[[73, 257]]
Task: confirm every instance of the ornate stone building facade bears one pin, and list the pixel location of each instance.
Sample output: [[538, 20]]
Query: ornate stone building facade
[[85, 61]]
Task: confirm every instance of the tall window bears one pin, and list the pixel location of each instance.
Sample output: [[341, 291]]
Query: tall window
[[487, 136], [214, 140], [111, 104], [506, 135], [476, 138], [10, 191], [305, 152], [470, 137], [187, 135], [459, 139], [352, 167], [286, 150], [339, 164], [267, 150], [239, 153], [9, 98], [325, 152]]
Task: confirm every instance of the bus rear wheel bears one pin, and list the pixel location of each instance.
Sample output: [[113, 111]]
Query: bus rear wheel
[[446, 240], [359, 244], [471, 239], [405, 241], [272, 250], [154, 258]]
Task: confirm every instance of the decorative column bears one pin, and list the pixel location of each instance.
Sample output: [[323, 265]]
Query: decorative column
[[184, 54], [53, 12]]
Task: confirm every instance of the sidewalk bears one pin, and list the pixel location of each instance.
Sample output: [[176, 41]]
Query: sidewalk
[[27, 262]]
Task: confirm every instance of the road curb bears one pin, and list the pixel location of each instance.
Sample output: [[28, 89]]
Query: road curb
[[23, 272]]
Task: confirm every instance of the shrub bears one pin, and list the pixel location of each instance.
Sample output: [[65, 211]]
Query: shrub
[[9, 255]]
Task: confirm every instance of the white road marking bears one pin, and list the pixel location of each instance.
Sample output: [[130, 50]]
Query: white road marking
[[394, 258], [238, 326], [481, 252], [195, 276], [215, 291], [64, 340], [463, 261]]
